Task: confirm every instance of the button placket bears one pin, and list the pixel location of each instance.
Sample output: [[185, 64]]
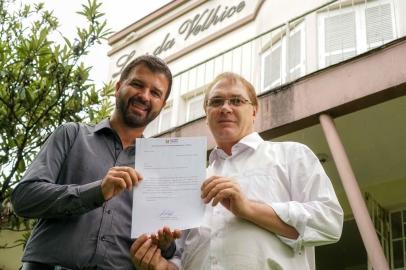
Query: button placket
[[105, 228]]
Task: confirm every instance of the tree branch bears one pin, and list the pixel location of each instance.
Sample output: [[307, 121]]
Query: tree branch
[[6, 246]]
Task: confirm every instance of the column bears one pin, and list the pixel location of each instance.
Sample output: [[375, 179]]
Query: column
[[354, 195]]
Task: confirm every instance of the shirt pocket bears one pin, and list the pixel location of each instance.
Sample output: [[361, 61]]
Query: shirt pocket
[[258, 185]]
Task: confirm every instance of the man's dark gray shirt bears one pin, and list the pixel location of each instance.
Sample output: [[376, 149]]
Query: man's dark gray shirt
[[77, 228]]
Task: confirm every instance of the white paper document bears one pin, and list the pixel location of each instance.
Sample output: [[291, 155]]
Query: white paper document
[[173, 170]]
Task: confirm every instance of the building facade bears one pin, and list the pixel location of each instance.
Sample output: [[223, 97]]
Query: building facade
[[330, 74]]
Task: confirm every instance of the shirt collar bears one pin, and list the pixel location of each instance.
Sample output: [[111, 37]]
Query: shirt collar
[[252, 140], [104, 124]]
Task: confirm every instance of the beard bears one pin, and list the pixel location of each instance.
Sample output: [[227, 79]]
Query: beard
[[132, 119]]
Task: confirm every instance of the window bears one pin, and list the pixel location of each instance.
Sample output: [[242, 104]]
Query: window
[[398, 239], [296, 53], [348, 31], [272, 67], [379, 25], [339, 38], [194, 107], [284, 59], [165, 119], [161, 123], [152, 128]]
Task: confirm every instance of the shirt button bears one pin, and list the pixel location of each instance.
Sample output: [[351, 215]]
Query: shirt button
[[103, 238]]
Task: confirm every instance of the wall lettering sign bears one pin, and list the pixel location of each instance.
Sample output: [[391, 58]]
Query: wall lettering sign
[[207, 20]]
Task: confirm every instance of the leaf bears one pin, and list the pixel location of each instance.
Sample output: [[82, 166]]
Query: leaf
[[28, 96], [21, 166], [67, 42]]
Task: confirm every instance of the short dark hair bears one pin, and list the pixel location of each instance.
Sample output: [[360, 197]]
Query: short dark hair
[[155, 64]]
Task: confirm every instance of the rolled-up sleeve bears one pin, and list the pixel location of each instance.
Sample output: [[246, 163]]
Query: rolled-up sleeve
[[314, 210]]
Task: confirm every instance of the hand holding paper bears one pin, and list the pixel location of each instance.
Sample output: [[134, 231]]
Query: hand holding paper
[[118, 179], [169, 195], [164, 237], [145, 255]]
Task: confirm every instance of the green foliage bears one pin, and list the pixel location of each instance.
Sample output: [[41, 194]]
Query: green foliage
[[42, 85]]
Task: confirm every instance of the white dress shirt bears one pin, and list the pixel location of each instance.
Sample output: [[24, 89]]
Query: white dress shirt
[[284, 175]]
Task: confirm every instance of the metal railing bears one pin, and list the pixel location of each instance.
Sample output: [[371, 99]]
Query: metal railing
[[327, 35]]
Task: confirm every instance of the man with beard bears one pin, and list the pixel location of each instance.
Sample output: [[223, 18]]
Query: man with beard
[[79, 185]]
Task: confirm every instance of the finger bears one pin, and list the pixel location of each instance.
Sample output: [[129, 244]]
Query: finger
[[135, 176], [161, 239], [155, 239], [146, 260], [222, 195], [139, 254], [213, 183], [165, 237], [114, 173], [216, 189], [207, 181], [208, 186], [155, 258], [142, 252], [177, 234], [167, 234], [162, 232], [117, 183], [125, 176], [138, 175], [138, 243], [166, 230]]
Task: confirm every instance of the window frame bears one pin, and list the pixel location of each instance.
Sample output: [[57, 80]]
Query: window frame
[[190, 99], [285, 71], [361, 43]]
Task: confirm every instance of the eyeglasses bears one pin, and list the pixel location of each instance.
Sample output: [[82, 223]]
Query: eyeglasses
[[232, 101]]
